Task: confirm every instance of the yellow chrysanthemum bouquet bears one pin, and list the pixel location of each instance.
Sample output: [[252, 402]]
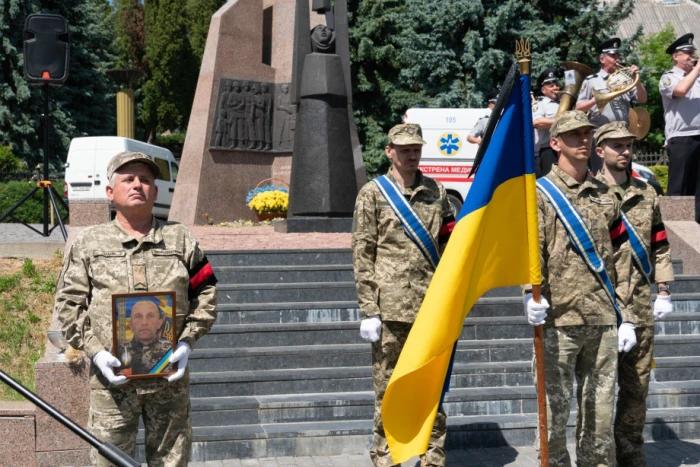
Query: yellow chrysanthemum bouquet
[[268, 201]]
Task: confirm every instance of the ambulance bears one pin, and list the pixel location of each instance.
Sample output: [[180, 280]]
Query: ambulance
[[448, 157]]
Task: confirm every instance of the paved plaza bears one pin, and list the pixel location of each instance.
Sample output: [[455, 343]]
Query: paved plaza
[[659, 454]]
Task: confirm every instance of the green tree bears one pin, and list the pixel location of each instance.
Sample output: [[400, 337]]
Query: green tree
[[654, 62], [83, 106], [176, 33], [451, 53], [199, 13]]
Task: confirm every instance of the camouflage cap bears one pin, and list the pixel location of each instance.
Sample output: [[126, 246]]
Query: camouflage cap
[[406, 133], [571, 120], [126, 157], [613, 130]]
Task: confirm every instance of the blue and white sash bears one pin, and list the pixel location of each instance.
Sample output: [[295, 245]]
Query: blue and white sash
[[410, 220], [580, 237], [640, 250]]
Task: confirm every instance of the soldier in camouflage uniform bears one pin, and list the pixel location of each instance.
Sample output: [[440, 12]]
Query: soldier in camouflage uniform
[[392, 275], [580, 333], [641, 205], [146, 349], [136, 253]]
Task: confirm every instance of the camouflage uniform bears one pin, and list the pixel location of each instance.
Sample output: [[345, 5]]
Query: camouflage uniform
[[104, 260], [392, 276], [641, 204], [144, 357], [580, 334]]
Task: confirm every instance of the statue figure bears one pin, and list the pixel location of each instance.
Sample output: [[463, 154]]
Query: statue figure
[[258, 115], [284, 134], [323, 181], [322, 40], [221, 130], [267, 120], [249, 110], [221, 127], [236, 114]]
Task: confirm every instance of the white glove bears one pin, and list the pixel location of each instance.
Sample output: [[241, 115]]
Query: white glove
[[626, 337], [371, 328], [181, 355], [662, 306], [107, 362], [535, 312]]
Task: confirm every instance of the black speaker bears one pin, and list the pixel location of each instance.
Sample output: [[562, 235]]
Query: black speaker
[[46, 49]]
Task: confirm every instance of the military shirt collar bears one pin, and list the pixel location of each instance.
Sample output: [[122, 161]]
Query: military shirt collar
[[570, 181], [603, 74], [155, 235], [678, 72], [417, 184]]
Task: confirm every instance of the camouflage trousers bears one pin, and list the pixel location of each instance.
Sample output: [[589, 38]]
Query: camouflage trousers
[[385, 354], [589, 354], [114, 417], [634, 369]]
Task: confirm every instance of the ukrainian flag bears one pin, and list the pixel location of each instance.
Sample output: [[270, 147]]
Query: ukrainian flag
[[494, 244]]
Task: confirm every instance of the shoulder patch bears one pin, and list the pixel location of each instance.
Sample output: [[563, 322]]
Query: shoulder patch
[[666, 81], [534, 108]]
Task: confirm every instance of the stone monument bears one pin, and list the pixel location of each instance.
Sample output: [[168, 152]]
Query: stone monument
[[323, 183], [244, 116]]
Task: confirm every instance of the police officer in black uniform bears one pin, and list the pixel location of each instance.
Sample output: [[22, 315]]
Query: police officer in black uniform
[[680, 93], [543, 113]]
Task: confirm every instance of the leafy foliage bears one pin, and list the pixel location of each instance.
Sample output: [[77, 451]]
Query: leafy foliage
[[452, 53], [32, 210], [661, 173], [8, 161], [654, 62], [175, 36]]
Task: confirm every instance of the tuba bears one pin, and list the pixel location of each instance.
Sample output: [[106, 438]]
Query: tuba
[[619, 83], [574, 76]]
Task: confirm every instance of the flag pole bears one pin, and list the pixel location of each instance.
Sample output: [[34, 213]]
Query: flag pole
[[522, 48]]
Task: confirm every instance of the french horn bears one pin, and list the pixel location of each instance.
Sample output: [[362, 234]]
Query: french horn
[[619, 83]]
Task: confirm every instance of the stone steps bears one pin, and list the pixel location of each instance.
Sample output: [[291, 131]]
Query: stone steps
[[284, 372], [352, 436], [459, 402], [359, 354], [359, 378], [347, 332]]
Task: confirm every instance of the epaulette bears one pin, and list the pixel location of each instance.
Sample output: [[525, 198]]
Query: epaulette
[[540, 98], [666, 72], [594, 75]]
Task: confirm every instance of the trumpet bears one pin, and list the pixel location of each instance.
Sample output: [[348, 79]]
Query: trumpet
[[619, 83], [694, 61]]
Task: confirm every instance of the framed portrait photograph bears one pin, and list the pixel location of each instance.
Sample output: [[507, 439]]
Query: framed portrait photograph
[[144, 334]]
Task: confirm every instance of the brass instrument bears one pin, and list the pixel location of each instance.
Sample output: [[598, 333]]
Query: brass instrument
[[640, 122], [619, 83], [568, 95]]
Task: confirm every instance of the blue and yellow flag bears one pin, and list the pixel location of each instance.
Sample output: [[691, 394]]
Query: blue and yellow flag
[[494, 244]]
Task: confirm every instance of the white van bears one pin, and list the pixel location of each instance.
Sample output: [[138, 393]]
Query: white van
[[86, 168]]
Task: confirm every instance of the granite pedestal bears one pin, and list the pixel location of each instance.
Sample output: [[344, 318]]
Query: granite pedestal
[[683, 232], [314, 224]]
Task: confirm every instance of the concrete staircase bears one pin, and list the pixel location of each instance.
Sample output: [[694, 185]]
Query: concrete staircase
[[285, 373]]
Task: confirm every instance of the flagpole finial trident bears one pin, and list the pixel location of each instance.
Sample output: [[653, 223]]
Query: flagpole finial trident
[[522, 53]]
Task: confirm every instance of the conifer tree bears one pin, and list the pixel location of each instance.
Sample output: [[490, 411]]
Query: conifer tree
[[451, 53], [83, 106]]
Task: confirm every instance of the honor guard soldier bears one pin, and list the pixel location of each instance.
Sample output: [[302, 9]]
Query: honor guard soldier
[[393, 270], [647, 258], [617, 109], [543, 113], [680, 93], [479, 129], [580, 230], [136, 253]]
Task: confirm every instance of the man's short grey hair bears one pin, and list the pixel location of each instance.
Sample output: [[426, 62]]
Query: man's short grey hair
[[113, 179]]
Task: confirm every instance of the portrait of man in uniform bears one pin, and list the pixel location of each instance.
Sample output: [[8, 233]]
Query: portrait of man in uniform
[[143, 335]]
